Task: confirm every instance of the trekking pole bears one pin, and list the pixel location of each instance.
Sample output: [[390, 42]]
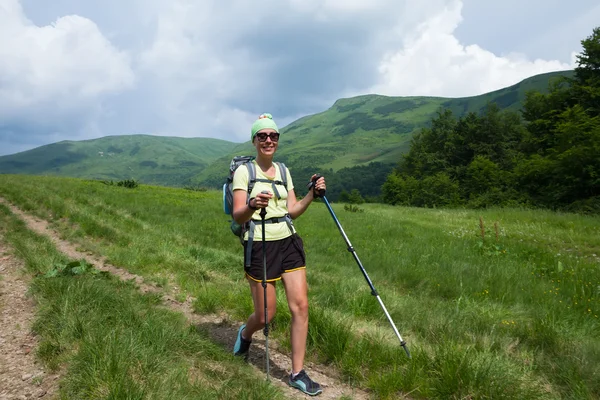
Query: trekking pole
[[263, 213], [321, 194]]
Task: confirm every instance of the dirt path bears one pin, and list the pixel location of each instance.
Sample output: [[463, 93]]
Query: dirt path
[[219, 327], [21, 376]]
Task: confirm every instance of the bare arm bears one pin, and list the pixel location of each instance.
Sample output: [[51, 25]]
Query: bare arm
[[242, 212]]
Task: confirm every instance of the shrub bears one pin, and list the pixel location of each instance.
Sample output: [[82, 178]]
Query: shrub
[[352, 208], [128, 183]]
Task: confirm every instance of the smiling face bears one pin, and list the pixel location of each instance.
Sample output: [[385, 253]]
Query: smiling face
[[264, 143]]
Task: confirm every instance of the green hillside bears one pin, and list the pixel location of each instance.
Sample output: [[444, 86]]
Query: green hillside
[[371, 128], [149, 159], [357, 137]]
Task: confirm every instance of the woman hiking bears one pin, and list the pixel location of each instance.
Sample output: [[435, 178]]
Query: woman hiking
[[285, 257]]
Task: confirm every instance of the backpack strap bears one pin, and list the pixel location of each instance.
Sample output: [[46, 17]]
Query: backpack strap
[[251, 178], [251, 224], [283, 173]]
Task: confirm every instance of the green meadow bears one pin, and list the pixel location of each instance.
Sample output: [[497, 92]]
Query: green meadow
[[493, 304]]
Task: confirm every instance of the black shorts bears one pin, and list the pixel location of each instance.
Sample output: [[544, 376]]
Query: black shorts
[[285, 255]]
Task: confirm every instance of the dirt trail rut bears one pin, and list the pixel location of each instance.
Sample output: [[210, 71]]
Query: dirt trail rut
[[219, 327], [21, 376]]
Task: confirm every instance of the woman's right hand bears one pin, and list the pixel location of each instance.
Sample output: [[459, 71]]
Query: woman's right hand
[[262, 200]]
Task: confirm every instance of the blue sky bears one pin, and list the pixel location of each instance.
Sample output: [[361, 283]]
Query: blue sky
[[75, 70]]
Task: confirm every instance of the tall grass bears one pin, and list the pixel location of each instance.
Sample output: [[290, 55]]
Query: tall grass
[[115, 341], [499, 303]]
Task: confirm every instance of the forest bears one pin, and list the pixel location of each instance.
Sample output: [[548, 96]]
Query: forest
[[545, 156]]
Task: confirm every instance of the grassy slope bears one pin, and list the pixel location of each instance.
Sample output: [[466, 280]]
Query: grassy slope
[[354, 131], [513, 315], [364, 129], [150, 159]]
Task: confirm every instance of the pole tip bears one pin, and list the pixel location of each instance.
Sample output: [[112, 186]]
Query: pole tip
[[403, 344]]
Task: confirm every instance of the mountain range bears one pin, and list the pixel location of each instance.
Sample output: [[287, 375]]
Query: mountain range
[[357, 132]]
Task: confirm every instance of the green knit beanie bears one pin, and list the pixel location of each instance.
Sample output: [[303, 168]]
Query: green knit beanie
[[263, 122]]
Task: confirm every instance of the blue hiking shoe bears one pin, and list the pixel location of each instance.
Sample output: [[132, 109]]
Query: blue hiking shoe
[[242, 345], [305, 384]]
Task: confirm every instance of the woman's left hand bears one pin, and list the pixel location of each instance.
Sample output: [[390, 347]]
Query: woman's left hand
[[320, 185]]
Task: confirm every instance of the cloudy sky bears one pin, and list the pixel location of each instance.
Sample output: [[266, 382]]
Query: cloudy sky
[[72, 69]]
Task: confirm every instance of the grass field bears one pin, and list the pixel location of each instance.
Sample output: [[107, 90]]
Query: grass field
[[498, 304]]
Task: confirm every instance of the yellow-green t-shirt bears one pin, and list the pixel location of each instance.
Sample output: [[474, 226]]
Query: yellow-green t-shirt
[[276, 208]]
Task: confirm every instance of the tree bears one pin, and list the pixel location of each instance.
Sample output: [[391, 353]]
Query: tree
[[562, 148], [355, 198], [428, 147], [400, 189], [494, 158], [587, 75], [441, 159]]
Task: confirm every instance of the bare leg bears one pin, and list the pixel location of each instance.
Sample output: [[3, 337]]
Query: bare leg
[[256, 321], [296, 290]]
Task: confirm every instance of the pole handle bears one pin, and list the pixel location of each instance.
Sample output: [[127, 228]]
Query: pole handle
[[263, 211], [311, 185]]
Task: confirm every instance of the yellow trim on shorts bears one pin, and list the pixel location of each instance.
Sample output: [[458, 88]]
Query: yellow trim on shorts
[[295, 269], [276, 279], [260, 280]]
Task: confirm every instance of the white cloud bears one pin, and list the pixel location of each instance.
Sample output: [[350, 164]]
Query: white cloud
[[209, 68], [57, 71], [344, 6], [197, 71], [433, 62], [207, 59]]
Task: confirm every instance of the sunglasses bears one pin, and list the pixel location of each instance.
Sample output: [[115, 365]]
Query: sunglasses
[[262, 136]]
